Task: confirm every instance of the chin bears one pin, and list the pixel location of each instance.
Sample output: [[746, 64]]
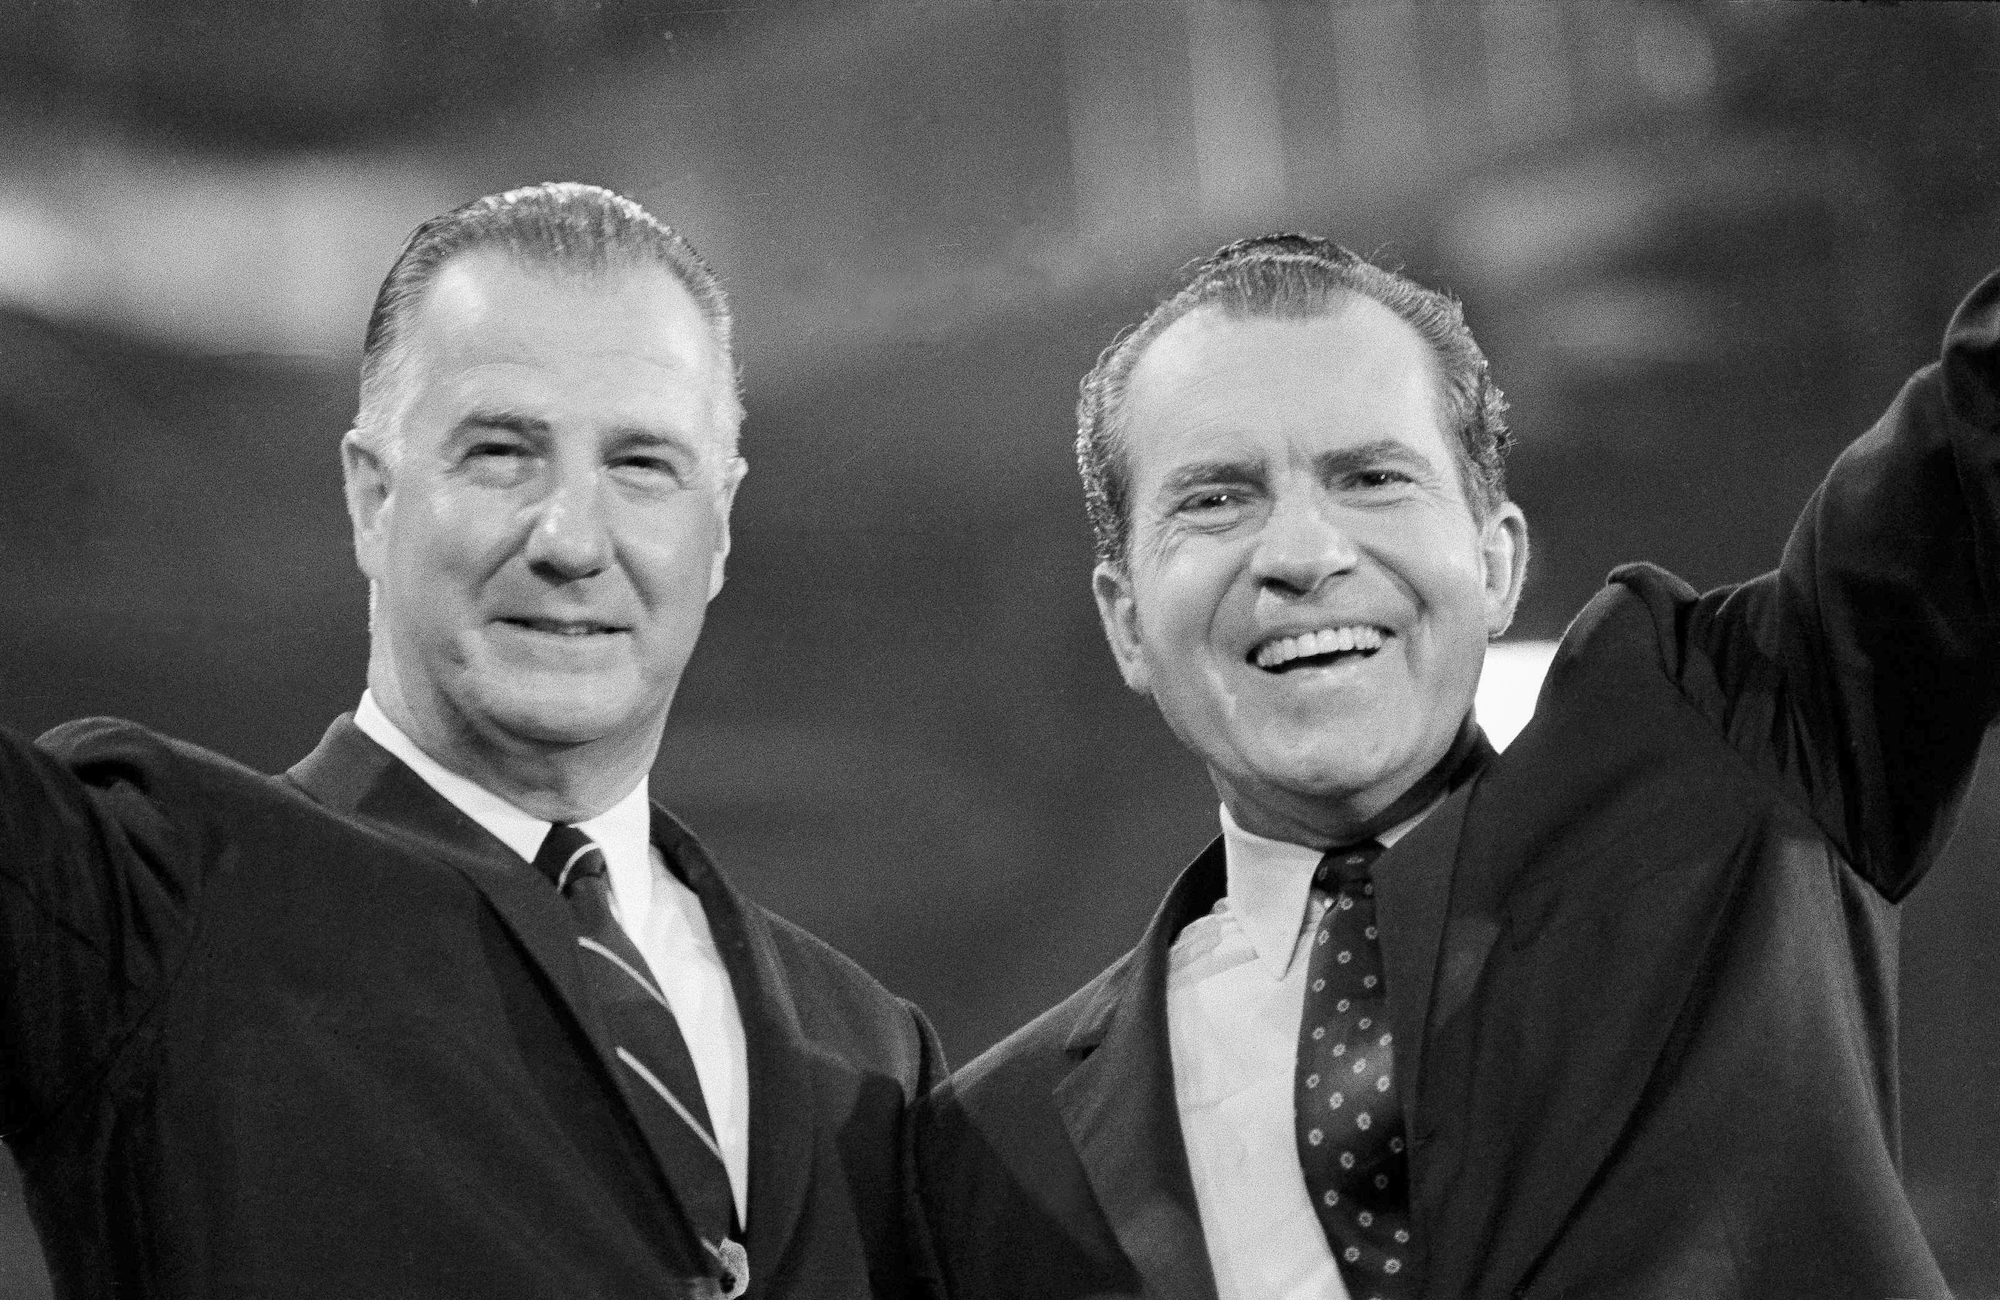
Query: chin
[[565, 712], [1333, 780], [1331, 774]]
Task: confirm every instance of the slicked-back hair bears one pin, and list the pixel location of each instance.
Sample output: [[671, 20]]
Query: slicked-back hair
[[1294, 278], [562, 225]]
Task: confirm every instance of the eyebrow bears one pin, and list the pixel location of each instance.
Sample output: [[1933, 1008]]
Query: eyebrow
[[1330, 464], [642, 435], [508, 421], [531, 426], [1203, 473], [1366, 455]]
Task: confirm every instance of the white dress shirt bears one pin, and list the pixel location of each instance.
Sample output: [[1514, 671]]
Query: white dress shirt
[[663, 917], [1235, 989]]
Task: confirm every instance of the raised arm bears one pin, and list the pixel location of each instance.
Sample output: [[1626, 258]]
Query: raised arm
[[1865, 670], [92, 908]]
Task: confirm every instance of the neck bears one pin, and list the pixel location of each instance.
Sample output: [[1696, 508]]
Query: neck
[[569, 782], [1327, 821]]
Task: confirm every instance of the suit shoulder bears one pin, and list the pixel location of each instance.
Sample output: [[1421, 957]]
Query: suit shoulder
[[844, 1008], [1010, 1203], [1661, 592], [1637, 619], [808, 955], [105, 752], [1031, 1058], [155, 788], [992, 1144], [1639, 601]]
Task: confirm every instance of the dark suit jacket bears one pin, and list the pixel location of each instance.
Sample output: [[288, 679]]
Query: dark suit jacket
[[1647, 959], [321, 1035]]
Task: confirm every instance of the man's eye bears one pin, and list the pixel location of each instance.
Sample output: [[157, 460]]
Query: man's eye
[[647, 471], [1212, 500], [498, 463], [495, 450], [1380, 478]]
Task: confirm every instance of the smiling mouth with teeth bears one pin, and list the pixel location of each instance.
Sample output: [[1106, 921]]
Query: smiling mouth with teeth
[[562, 627], [1317, 649]]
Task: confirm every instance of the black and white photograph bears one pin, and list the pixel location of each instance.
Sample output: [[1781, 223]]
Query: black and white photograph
[[1000, 649]]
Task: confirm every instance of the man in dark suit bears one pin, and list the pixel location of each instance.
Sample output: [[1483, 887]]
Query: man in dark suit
[[450, 1008], [1609, 1015]]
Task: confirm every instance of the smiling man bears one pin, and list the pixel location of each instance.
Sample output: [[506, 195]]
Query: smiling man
[[452, 1008], [1610, 1015], [1318, 578]]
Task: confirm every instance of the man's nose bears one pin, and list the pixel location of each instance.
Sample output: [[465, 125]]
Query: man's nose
[[1304, 542], [570, 538]]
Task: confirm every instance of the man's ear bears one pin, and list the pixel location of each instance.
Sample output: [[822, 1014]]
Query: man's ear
[[1118, 610], [1503, 554], [725, 500], [366, 480]]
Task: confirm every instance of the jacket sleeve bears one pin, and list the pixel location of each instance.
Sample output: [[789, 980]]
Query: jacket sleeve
[[92, 907], [1864, 671], [927, 1278]]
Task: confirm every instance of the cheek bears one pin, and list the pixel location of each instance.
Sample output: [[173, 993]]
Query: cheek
[[1466, 580], [670, 559], [1447, 576], [1184, 587], [442, 531]]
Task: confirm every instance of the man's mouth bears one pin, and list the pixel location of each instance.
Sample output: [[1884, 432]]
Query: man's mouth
[[565, 626], [1317, 649]]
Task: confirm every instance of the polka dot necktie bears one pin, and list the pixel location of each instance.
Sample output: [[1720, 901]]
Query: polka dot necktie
[[1349, 1119], [659, 1077]]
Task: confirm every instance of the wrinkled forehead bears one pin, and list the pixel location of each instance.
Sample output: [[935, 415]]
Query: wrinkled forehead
[[1351, 367], [557, 349], [1359, 360]]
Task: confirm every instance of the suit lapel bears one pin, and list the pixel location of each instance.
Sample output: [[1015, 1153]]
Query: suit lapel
[[1119, 1109], [350, 773], [1413, 896], [1413, 892], [782, 1113]]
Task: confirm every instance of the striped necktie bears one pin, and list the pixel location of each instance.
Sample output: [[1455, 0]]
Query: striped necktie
[[659, 1077], [1350, 1121]]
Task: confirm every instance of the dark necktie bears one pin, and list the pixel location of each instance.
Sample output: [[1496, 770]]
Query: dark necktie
[[1350, 1121], [660, 1078]]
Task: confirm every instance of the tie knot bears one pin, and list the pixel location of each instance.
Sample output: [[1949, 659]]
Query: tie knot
[[567, 855], [1347, 865]]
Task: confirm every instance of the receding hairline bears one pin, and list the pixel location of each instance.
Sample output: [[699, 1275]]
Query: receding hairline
[[570, 226], [531, 265], [1336, 301], [393, 358], [1291, 276]]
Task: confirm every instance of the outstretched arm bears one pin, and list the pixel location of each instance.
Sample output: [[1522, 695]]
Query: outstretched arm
[[91, 916], [1865, 670]]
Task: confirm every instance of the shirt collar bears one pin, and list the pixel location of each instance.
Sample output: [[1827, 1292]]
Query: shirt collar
[[624, 831], [1270, 883]]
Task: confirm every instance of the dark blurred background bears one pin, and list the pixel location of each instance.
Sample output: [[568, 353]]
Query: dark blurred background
[[1703, 244]]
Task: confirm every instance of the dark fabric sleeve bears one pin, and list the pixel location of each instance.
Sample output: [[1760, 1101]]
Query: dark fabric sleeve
[[1865, 670], [927, 1279], [92, 908], [933, 1069]]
